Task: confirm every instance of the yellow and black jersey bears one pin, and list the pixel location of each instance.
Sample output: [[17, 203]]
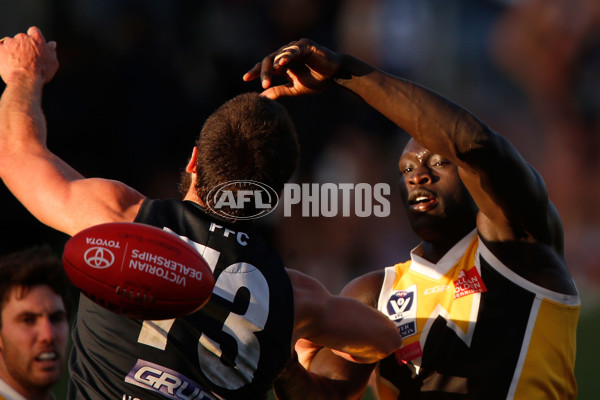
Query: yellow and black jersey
[[474, 329]]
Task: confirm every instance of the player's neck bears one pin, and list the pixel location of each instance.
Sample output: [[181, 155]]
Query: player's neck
[[434, 247], [192, 195], [7, 383]]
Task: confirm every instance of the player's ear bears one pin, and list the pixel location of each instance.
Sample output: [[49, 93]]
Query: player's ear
[[191, 167]]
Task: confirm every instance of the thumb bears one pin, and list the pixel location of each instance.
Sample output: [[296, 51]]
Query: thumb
[[270, 93]]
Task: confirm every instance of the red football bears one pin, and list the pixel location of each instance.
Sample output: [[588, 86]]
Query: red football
[[138, 270]]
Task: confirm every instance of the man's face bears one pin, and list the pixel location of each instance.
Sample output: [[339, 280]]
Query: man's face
[[431, 188], [33, 339]]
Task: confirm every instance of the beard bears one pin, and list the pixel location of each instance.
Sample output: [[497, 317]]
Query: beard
[[185, 180]]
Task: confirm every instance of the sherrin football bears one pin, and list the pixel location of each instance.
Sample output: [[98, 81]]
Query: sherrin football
[[138, 270]]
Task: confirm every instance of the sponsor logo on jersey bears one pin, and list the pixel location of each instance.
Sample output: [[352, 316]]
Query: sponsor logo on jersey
[[128, 397], [437, 289], [169, 383], [408, 352], [99, 257], [468, 282]]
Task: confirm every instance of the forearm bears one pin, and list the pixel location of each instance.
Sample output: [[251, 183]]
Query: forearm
[[434, 121], [23, 153], [369, 335], [22, 121], [358, 330]]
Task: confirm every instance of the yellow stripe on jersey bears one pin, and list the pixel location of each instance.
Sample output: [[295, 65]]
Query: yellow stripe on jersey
[[549, 354]]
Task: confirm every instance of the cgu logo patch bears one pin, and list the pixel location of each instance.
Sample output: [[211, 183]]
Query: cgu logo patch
[[259, 198], [468, 282]]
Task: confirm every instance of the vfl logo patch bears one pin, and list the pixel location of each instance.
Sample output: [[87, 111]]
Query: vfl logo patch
[[402, 309], [400, 302], [468, 282]]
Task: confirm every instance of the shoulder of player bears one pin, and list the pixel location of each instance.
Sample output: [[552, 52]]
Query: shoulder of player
[[536, 262], [365, 288]]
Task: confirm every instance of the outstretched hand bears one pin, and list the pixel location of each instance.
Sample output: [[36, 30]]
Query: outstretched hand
[[307, 66], [27, 56]]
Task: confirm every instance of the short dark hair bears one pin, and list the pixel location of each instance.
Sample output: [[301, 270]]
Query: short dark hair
[[31, 267], [250, 137]]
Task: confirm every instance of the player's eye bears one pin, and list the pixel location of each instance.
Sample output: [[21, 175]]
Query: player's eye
[[406, 170], [439, 162], [28, 320]]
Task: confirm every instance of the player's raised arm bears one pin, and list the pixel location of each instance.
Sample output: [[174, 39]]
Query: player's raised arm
[[509, 193], [49, 188]]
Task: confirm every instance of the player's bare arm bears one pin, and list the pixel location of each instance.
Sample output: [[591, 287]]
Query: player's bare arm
[[437, 123], [328, 374], [515, 215], [340, 322], [48, 187], [511, 196]]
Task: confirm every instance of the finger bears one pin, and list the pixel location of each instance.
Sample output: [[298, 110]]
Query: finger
[[270, 93], [276, 92], [272, 62], [52, 45], [3, 39], [265, 72], [284, 55], [252, 74], [36, 34]]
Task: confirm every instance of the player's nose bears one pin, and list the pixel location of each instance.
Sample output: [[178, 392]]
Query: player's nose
[[420, 176], [46, 330]]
